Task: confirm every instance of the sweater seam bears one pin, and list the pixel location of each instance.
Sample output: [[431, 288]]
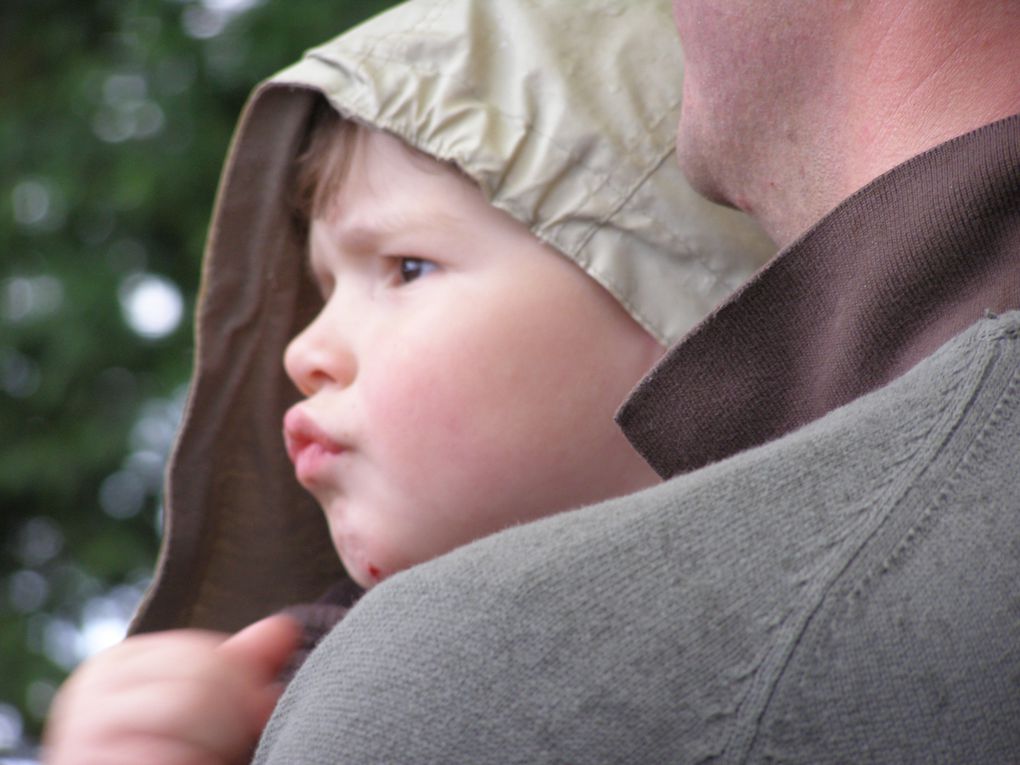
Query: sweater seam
[[866, 536]]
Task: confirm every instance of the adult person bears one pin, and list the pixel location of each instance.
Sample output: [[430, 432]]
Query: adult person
[[830, 574]]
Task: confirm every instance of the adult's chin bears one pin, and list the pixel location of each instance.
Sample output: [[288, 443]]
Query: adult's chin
[[694, 154]]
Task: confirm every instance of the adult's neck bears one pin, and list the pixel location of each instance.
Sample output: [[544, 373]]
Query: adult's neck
[[907, 77]]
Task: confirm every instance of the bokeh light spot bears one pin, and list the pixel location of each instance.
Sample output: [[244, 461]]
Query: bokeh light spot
[[31, 201], [38, 205], [152, 305], [23, 298], [19, 375], [39, 540], [27, 590], [10, 727], [122, 494]]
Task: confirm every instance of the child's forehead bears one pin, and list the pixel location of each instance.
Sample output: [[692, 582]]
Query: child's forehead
[[389, 203], [368, 140], [387, 179]]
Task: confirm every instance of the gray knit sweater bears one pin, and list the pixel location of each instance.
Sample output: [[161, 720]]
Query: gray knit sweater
[[847, 593]]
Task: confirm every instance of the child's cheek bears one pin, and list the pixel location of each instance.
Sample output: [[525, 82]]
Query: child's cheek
[[414, 405], [431, 388], [432, 426]]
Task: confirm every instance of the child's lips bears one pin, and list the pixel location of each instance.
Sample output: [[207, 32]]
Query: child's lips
[[308, 446]]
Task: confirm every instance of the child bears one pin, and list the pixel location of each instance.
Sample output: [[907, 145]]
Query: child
[[487, 256]]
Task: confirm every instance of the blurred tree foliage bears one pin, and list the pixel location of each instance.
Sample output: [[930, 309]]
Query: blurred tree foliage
[[114, 121]]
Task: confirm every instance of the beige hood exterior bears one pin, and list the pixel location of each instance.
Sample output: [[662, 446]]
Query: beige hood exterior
[[563, 113]]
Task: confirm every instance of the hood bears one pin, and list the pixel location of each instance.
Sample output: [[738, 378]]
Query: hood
[[564, 115]]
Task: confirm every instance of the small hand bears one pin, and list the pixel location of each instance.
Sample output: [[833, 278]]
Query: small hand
[[182, 697]]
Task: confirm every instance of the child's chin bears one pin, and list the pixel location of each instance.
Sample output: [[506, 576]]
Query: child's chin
[[365, 574]]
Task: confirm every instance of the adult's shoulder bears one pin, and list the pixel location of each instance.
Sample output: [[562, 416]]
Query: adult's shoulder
[[797, 598]]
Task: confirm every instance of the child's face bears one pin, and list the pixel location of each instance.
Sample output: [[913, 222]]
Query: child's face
[[461, 377]]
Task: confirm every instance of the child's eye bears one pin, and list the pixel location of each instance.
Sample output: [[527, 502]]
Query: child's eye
[[415, 268]]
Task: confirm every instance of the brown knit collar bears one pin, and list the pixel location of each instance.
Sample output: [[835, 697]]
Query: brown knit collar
[[316, 619], [887, 277]]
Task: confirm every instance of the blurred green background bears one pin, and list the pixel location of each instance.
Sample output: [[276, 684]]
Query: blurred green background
[[114, 121]]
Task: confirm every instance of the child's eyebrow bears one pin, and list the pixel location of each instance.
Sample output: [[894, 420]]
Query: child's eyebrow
[[370, 233], [365, 235], [362, 236]]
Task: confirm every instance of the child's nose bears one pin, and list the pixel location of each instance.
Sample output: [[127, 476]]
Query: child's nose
[[318, 357]]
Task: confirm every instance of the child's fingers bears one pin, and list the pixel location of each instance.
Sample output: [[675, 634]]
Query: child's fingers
[[265, 646], [169, 723], [183, 696], [263, 649], [165, 699]]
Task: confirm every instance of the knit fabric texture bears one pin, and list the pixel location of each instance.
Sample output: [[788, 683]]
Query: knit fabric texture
[[844, 594], [891, 274]]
